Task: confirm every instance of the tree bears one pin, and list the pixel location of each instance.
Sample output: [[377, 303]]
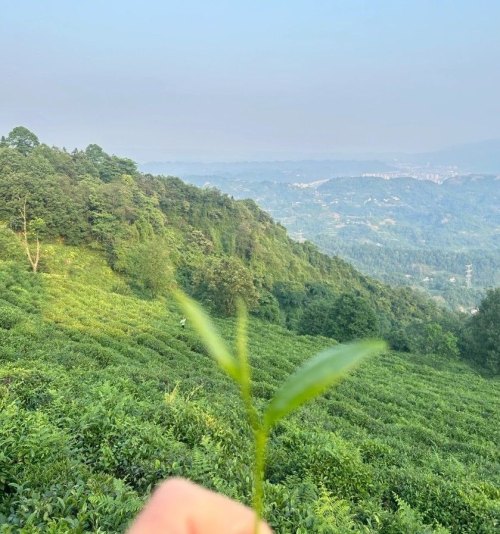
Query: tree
[[348, 317], [354, 318], [268, 308], [221, 282], [147, 265], [424, 337], [96, 155], [317, 318], [481, 337], [109, 167], [22, 140], [291, 297]]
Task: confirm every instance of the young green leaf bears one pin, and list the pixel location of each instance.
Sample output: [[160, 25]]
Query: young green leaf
[[209, 335], [316, 375]]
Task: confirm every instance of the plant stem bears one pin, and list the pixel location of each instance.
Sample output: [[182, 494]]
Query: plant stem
[[260, 431], [253, 418], [261, 436]]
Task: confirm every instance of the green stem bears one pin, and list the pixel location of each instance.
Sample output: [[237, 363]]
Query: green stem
[[253, 418], [261, 437], [260, 431]]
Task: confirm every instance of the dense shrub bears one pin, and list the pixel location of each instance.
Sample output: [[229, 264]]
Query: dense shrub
[[9, 316], [330, 461], [344, 318], [425, 338]]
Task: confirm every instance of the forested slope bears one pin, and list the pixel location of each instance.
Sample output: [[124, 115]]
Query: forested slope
[[159, 231]]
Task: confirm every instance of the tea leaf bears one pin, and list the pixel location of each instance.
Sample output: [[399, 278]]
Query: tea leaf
[[208, 334], [316, 375]]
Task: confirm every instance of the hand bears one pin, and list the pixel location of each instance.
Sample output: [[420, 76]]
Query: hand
[[181, 507]]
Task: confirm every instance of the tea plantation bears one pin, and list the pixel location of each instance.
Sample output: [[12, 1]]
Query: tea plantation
[[103, 394]]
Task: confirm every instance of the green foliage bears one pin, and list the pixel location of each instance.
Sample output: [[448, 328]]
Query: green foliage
[[147, 264], [354, 318], [221, 282], [213, 342], [402, 231], [291, 298], [10, 246], [109, 167], [406, 519], [45, 486], [268, 308], [331, 462], [219, 249], [481, 337], [316, 375], [103, 395], [347, 317], [9, 316], [425, 338], [318, 318], [22, 140]]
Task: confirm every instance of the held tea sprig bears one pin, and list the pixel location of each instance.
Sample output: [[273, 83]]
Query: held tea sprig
[[309, 381]]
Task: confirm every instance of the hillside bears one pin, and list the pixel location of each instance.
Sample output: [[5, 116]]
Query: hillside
[[403, 231], [102, 395], [158, 231]]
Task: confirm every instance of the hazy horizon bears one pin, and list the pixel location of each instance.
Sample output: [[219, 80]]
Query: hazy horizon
[[222, 81]]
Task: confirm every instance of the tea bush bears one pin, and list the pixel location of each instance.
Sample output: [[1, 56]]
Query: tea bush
[[103, 395]]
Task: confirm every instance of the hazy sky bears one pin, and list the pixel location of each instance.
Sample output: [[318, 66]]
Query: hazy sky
[[261, 79]]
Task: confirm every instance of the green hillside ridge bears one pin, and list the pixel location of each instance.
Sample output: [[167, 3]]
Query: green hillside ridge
[[159, 231], [103, 394]]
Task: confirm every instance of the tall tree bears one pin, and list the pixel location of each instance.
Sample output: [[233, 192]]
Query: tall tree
[[147, 265], [22, 140], [222, 281]]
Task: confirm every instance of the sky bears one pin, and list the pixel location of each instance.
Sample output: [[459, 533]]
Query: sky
[[262, 79]]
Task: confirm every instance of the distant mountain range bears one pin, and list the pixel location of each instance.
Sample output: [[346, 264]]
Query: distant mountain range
[[275, 171], [482, 157], [401, 230]]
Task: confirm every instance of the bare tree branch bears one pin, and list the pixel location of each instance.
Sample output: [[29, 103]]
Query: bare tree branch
[[33, 260]]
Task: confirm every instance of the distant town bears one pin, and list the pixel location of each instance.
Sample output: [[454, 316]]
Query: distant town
[[437, 174]]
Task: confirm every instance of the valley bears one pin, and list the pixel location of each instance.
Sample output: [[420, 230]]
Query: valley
[[403, 231]]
